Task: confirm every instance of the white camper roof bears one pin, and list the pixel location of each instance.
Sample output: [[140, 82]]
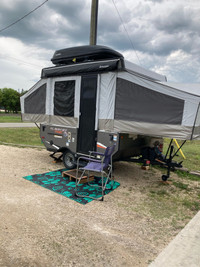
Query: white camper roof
[[191, 88], [135, 69]]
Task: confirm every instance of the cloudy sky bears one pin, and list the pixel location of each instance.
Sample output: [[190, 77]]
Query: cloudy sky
[[161, 35]]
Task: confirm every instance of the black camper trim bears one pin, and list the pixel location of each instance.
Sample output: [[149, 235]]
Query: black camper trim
[[97, 66]]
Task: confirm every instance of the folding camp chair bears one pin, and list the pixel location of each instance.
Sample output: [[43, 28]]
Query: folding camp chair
[[96, 163]]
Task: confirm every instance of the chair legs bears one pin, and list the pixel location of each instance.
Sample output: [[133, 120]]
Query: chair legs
[[104, 181]]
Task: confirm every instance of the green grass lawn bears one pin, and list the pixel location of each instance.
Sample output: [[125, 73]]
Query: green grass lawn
[[191, 150], [30, 136], [8, 119], [24, 136]]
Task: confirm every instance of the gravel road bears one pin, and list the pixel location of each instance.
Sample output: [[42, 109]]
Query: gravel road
[[41, 228]]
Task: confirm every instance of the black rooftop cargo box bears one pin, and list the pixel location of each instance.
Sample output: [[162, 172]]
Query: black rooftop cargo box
[[84, 54]]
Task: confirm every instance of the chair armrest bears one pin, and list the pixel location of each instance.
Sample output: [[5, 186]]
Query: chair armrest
[[84, 155], [96, 153], [90, 159]]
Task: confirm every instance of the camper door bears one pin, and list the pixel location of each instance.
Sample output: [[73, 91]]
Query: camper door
[[87, 133]]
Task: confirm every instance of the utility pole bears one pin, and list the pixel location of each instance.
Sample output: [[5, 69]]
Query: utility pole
[[93, 22]]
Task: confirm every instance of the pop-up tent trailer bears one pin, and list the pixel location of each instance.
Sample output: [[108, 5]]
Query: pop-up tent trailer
[[93, 98]]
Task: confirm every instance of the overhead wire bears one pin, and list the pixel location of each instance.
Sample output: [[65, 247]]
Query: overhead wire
[[15, 22], [19, 61], [126, 31], [15, 59], [23, 16]]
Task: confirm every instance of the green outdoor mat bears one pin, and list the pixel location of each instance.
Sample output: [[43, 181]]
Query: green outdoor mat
[[62, 185]]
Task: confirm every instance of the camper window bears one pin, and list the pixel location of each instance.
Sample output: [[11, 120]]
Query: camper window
[[137, 103], [64, 98], [197, 122], [38, 96]]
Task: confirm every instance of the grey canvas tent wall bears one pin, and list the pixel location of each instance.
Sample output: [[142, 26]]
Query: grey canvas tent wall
[[128, 98]]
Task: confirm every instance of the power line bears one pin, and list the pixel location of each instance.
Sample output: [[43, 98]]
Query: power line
[[8, 58], [126, 31], [23, 17]]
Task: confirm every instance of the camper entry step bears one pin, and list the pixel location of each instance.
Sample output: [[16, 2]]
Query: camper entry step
[[72, 176]]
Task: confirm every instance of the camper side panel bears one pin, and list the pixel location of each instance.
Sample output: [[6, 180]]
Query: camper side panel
[[33, 103], [151, 108], [138, 103], [56, 137], [196, 132]]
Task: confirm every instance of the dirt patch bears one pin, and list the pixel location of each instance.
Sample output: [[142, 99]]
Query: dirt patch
[[129, 228]]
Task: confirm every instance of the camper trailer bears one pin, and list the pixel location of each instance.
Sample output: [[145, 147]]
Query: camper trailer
[[92, 97]]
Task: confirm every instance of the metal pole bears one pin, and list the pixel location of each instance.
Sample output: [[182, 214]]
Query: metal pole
[[93, 22]]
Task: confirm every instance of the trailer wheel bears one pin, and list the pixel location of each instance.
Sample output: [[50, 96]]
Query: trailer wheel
[[69, 159], [165, 177]]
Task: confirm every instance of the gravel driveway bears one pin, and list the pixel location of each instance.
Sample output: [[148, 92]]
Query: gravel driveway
[[41, 228]]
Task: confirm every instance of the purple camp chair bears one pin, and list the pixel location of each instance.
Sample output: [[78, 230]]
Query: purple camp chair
[[96, 163]]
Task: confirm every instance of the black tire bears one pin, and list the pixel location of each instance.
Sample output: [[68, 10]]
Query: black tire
[[69, 160], [164, 178]]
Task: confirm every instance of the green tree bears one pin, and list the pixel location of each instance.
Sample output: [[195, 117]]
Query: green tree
[[10, 100], [0, 98]]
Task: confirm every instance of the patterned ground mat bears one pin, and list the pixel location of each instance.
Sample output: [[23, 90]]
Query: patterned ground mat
[[62, 185]]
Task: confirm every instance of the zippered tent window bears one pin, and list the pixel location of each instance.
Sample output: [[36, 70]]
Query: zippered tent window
[[197, 122], [137, 103], [196, 131], [64, 98], [39, 97]]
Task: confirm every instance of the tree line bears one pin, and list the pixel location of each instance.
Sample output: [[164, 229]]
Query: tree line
[[10, 100]]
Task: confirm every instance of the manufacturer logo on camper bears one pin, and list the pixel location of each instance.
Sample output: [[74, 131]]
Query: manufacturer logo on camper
[[104, 67]]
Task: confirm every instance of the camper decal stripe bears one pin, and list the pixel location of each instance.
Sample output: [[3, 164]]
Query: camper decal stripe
[[100, 145]]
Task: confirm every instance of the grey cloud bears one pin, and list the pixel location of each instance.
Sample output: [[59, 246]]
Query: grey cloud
[[38, 27], [156, 28], [178, 31], [156, 1], [177, 20], [73, 10]]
